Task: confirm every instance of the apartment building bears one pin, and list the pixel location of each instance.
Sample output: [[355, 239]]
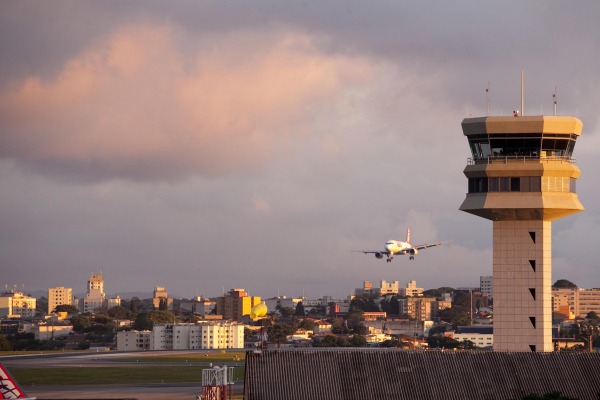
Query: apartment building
[[575, 302], [58, 296], [419, 308], [204, 335], [486, 285], [236, 304], [16, 304], [160, 298], [411, 290], [133, 340]]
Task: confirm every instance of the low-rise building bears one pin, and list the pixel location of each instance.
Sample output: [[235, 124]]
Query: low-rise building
[[133, 340], [481, 335], [51, 332]]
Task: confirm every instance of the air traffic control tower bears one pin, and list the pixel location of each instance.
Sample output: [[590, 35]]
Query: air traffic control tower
[[522, 177]]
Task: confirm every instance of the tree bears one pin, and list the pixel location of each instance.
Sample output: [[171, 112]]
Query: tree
[[134, 304], [119, 312], [365, 302], [358, 341], [339, 326], [591, 315], [443, 342], [68, 308], [5, 344], [564, 284], [163, 304], [81, 322], [307, 324], [144, 321], [278, 333], [300, 309]]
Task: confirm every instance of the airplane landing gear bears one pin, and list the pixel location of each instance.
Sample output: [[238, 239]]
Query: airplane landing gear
[[411, 257]]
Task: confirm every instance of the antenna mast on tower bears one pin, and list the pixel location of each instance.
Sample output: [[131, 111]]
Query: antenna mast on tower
[[522, 91], [488, 95]]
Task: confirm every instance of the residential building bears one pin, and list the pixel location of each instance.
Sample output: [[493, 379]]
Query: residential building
[[419, 308], [58, 296], [95, 297], [385, 288], [575, 302], [486, 284], [388, 288], [51, 332], [279, 302], [133, 340], [16, 304], [400, 327], [411, 290], [481, 335], [322, 327], [236, 304], [204, 335], [198, 306], [161, 298]]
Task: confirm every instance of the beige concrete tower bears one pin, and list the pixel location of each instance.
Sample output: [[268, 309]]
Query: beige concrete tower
[[522, 177]]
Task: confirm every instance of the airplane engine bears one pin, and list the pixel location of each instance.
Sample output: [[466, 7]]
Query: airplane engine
[[413, 252], [378, 255]]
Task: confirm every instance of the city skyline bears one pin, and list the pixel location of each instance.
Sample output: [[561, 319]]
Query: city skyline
[[255, 145]]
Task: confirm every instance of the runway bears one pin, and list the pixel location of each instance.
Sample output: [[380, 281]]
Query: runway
[[175, 391]]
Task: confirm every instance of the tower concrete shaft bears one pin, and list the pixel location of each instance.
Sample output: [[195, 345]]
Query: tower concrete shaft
[[522, 177]]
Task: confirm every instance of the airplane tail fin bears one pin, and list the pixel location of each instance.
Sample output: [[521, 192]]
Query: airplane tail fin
[[9, 387], [408, 235]]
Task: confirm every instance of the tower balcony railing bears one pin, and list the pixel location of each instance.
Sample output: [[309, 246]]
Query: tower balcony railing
[[520, 159]]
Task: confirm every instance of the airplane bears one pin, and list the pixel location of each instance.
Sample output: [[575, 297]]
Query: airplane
[[397, 247], [9, 387]]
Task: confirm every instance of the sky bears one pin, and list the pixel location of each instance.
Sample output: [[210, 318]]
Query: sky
[[209, 145]]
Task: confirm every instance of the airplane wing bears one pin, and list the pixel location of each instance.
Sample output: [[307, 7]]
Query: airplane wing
[[428, 245], [372, 251]]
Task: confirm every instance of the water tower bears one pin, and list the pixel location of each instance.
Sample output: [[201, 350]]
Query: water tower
[[522, 177]]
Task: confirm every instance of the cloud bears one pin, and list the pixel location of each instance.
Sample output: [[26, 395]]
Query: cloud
[[140, 105]]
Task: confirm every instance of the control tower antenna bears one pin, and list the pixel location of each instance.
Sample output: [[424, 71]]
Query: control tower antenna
[[488, 94], [522, 92]]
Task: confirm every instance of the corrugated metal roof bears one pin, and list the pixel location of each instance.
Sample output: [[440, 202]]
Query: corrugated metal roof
[[397, 374]]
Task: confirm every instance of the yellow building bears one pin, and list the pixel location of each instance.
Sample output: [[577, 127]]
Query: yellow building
[[236, 304]]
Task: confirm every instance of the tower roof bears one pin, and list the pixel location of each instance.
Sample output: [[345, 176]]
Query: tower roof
[[519, 125]]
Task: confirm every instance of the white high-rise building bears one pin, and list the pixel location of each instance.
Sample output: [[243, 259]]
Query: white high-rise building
[[95, 297], [485, 285]]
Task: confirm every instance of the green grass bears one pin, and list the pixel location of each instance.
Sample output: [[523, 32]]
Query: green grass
[[111, 375]]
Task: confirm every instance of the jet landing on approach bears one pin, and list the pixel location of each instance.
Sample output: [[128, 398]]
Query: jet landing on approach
[[9, 388], [397, 247]]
